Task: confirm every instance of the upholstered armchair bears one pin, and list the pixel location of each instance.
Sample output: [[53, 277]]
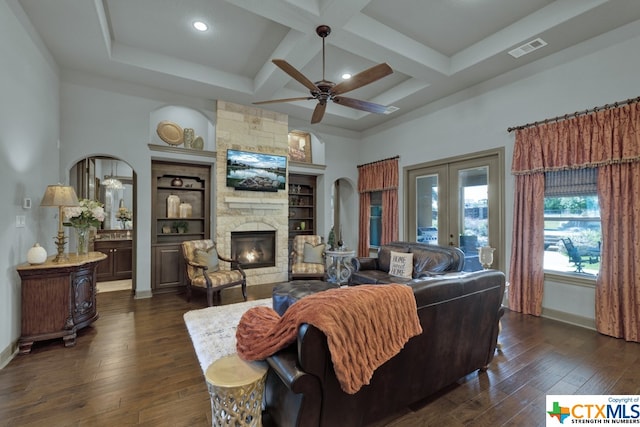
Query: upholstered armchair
[[204, 272], [307, 259]]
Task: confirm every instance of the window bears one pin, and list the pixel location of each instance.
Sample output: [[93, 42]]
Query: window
[[572, 230], [375, 219]]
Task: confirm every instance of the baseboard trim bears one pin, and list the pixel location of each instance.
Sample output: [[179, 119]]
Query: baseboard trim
[[8, 354], [573, 319], [143, 294]]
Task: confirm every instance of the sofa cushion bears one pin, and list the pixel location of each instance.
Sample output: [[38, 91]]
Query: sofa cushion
[[384, 255], [401, 264], [434, 260]]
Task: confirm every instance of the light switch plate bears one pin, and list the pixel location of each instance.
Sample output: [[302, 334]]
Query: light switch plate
[[20, 221]]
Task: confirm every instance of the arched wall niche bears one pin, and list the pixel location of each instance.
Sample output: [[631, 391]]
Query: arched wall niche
[[184, 117]]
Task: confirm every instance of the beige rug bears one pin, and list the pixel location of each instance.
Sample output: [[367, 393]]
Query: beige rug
[[213, 329]]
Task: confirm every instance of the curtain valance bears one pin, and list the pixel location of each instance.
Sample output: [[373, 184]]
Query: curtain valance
[[378, 176], [604, 137]]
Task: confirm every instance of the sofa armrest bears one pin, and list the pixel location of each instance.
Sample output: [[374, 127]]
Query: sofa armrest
[[292, 397], [364, 263]]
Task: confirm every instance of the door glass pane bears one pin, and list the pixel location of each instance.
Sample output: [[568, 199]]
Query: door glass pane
[[426, 230], [473, 213]]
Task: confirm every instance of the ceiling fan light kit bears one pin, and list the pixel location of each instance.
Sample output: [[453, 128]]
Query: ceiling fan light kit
[[325, 90]]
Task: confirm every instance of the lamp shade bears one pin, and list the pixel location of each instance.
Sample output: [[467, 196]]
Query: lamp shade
[[59, 195]]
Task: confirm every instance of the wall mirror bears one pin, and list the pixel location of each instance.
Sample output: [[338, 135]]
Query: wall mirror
[[110, 181]]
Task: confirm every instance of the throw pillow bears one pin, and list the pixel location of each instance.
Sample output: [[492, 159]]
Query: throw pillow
[[208, 258], [401, 265], [313, 254]]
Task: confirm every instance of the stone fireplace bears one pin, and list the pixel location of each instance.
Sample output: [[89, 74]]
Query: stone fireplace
[[254, 249], [240, 212]]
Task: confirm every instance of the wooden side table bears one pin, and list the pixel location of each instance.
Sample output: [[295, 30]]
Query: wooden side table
[[236, 388], [58, 298]]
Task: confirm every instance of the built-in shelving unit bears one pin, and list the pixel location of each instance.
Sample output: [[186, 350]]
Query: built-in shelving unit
[[189, 186], [302, 205]]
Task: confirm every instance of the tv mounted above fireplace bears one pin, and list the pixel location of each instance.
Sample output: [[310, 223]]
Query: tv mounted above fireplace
[[256, 171]]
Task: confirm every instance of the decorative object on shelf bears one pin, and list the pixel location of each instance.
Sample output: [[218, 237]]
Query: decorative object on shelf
[[186, 210], [198, 143], [299, 147], [303, 225], [60, 196], [166, 229], [173, 206], [182, 227], [88, 213], [292, 213], [124, 216], [188, 136], [36, 255], [170, 132], [486, 256], [177, 182]]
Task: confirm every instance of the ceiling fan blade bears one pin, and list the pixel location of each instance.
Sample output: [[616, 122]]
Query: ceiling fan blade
[[273, 101], [289, 69], [361, 105], [363, 78], [318, 113]]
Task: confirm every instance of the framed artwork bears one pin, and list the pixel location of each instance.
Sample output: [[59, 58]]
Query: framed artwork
[[299, 146]]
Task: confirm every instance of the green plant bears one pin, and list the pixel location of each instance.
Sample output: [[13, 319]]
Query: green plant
[[181, 225]]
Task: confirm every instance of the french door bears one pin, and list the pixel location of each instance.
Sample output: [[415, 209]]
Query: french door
[[458, 202]]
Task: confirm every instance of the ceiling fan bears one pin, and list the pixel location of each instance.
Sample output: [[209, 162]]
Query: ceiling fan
[[325, 90]]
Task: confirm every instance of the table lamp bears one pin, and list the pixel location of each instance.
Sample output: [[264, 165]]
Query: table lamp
[[60, 196]]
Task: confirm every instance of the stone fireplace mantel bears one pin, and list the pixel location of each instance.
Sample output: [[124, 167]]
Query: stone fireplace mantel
[[255, 203]]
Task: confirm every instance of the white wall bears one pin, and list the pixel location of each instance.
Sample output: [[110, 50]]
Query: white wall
[[552, 87], [29, 129]]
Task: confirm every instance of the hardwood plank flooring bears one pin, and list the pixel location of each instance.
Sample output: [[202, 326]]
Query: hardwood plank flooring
[[136, 366]]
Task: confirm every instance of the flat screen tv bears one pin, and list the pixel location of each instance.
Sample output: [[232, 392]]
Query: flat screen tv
[[256, 171]]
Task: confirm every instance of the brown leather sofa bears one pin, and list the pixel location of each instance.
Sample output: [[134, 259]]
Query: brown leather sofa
[[428, 260], [459, 315]]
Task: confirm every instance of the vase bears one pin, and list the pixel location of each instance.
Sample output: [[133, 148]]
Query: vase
[[36, 255], [82, 244]]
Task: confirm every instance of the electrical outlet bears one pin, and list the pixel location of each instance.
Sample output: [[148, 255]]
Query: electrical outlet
[[21, 221]]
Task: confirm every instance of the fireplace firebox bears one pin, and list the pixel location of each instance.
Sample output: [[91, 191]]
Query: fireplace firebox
[[254, 249]]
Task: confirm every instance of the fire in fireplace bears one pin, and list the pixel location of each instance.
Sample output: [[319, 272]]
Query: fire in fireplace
[[254, 249]]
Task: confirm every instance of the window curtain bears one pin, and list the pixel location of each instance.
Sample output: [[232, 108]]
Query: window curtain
[[610, 141], [378, 176]]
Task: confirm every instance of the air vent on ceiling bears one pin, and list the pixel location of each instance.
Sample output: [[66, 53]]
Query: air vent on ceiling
[[527, 48]]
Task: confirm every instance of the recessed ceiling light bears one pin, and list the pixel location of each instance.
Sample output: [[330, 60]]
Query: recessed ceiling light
[[200, 26], [346, 76]]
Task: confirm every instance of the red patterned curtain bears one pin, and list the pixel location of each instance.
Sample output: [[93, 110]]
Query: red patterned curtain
[[609, 140], [378, 176]]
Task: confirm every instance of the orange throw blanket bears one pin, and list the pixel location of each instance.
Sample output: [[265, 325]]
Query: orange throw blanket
[[365, 326]]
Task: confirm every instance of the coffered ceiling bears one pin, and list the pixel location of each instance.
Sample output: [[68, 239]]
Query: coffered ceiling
[[435, 47]]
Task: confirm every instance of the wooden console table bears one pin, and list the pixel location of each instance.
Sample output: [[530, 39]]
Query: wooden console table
[[58, 299]]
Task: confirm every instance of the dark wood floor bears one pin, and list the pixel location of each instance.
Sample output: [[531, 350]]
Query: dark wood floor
[[136, 366]]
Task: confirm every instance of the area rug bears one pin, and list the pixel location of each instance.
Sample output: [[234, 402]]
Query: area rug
[[213, 329]]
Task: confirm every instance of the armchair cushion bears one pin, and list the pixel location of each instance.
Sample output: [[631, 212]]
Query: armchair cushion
[[218, 278], [313, 254], [207, 257]]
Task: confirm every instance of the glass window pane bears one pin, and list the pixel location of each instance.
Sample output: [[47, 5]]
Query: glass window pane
[[474, 214], [572, 234], [375, 219], [427, 209]]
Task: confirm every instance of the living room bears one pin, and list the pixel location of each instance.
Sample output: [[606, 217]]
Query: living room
[[53, 116]]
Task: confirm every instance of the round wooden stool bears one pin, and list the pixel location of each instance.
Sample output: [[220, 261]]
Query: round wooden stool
[[236, 388]]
